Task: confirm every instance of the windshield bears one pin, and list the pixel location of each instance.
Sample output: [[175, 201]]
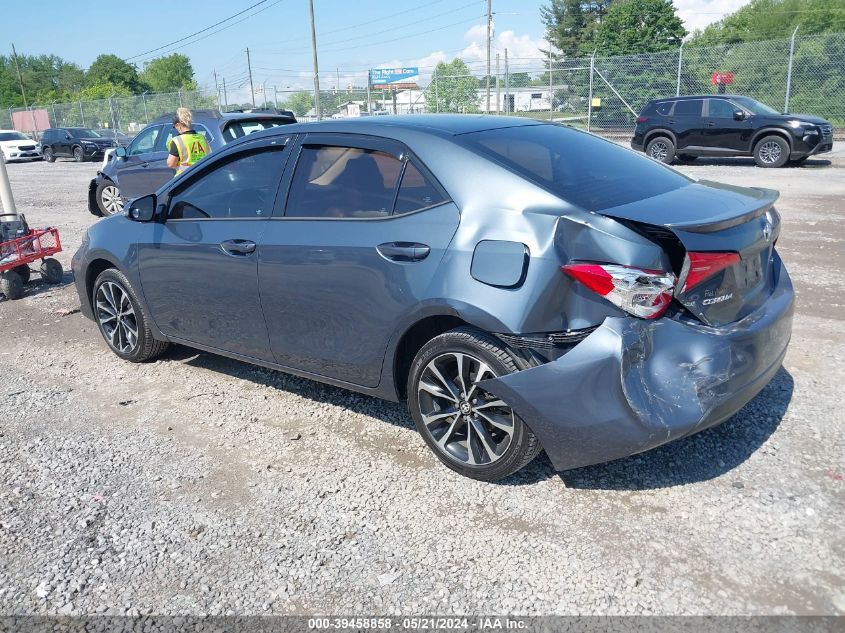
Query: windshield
[[580, 168], [754, 106], [13, 136], [83, 133]]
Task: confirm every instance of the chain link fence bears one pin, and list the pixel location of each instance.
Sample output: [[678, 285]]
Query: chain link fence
[[599, 93]]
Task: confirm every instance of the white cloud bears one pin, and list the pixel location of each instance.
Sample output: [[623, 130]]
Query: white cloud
[[697, 14]]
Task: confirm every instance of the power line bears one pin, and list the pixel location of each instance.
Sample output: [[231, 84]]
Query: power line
[[208, 28]]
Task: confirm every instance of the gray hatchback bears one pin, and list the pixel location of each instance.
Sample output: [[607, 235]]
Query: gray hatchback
[[525, 286]]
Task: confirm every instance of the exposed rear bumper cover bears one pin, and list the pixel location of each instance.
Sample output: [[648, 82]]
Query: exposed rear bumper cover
[[633, 385]]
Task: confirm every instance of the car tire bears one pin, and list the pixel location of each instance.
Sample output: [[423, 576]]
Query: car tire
[[486, 445], [771, 151], [23, 272], [52, 271], [48, 155], [108, 198], [121, 319], [11, 285], [661, 149], [687, 158], [78, 155]]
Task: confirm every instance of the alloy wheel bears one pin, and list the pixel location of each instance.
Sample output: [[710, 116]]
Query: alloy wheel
[[116, 317], [659, 151], [111, 199], [770, 152], [468, 425]]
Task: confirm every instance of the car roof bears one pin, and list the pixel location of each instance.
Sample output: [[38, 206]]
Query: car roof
[[205, 115], [684, 97]]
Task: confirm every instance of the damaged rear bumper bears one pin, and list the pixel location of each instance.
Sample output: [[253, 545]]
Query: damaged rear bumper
[[633, 384]]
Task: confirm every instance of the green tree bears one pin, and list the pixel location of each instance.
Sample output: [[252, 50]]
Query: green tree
[[299, 102], [639, 26], [571, 25], [774, 19], [168, 74], [46, 78], [456, 88], [112, 69]]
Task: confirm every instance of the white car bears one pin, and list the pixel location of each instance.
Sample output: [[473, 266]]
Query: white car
[[15, 145]]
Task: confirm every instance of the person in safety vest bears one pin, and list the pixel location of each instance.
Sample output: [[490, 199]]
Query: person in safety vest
[[188, 146]]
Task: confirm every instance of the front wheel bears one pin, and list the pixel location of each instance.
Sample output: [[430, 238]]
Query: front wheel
[[121, 320], [771, 151], [108, 198], [48, 155], [78, 154], [469, 429], [661, 148]]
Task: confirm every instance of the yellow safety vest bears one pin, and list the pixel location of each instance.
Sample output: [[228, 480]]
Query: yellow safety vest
[[191, 148]]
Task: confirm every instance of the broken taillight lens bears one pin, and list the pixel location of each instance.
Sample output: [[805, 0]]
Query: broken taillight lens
[[643, 293], [700, 266]]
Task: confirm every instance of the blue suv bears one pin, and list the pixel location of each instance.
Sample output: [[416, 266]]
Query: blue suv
[[140, 167]]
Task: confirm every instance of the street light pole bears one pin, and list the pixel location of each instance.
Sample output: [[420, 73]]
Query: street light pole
[[489, 37]]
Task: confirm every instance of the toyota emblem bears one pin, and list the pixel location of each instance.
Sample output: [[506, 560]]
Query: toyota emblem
[[767, 230]]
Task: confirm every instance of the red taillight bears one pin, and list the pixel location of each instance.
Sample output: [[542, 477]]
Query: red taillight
[[642, 119], [701, 266], [643, 293]]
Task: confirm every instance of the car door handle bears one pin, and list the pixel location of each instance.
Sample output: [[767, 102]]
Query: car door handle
[[238, 247], [403, 251], [710, 124]]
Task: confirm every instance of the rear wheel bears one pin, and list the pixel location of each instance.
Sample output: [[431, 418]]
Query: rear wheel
[[78, 154], [469, 429], [108, 198], [771, 151], [52, 271], [48, 155], [23, 272], [661, 148], [11, 285], [121, 319]]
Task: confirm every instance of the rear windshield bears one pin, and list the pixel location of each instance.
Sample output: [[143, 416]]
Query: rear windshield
[[237, 129], [582, 169]]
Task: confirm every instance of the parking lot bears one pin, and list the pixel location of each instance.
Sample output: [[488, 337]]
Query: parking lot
[[198, 484]]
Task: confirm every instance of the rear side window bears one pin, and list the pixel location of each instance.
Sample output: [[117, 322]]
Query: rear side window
[[580, 168], [343, 182], [665, 108], [691, 107], [239, 129], [416, 191], [241, 187]]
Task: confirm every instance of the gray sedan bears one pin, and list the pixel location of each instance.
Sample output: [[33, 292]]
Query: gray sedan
[[523, 285]]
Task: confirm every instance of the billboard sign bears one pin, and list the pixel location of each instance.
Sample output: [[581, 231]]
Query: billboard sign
[[721, 79], [394, 78]]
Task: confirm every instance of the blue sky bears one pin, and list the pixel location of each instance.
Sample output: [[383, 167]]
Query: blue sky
[[352, 35]]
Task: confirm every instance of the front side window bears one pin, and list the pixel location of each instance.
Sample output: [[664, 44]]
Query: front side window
[[243, 186], [690, 107], [145, 141], [171, 132], [343, 182], [754, 106], [721, 109], [83, 133]]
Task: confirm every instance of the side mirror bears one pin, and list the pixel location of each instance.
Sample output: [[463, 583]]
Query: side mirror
[[739, 115], [141, 209], [120, 152]]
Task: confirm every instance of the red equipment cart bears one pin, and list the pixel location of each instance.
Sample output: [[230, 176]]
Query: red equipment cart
[[16, 255]]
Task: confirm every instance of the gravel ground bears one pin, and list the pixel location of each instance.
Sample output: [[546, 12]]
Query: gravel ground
[[201, 485]]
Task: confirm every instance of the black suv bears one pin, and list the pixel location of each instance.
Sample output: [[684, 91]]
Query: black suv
[[79, 143], [141, 167], [728, 125]]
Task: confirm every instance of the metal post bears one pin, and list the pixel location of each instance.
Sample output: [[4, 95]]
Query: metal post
[[275, 97], [680, 63], [249, 68], [55, 118], [314, 55], [111, 107], [225, 96], [181, 105], [436, 93], [9, 210], [498, 91], [789, 71], [551, 93], [82, 114], [216, 89], [146, 114], [507, 85], [369, 103], [489, 37], [590, 96]]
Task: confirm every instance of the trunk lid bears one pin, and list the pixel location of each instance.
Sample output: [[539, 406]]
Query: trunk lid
[[708, 217]]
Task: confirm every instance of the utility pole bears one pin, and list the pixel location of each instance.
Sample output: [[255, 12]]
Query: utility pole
[[489, 37], [507, 86], [249, 68], [337, 81], [789, 71], [498, 90], [225, 96], [216, 88], [314, 54], [23, 94], [275, 97], [551, 94]]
